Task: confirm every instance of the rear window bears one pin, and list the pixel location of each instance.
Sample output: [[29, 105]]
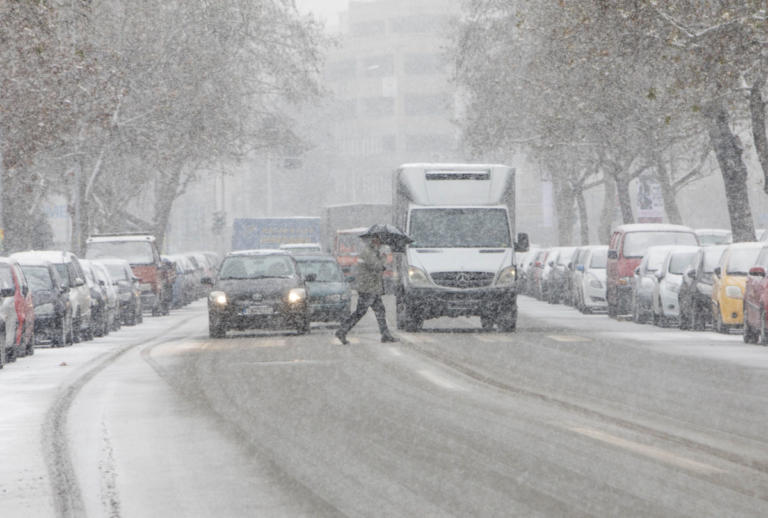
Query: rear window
[[135, 252], [39, 278], [681, 262], [63, 272], [712, 258], [326, 271], [117, 272], [6, 278], [637, 243]]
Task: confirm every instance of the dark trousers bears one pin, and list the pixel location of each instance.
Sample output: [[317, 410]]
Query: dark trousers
[[365, 301]]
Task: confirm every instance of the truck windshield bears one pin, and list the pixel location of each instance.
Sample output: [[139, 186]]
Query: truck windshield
[[459, 228], [135, 252], [636, 243]]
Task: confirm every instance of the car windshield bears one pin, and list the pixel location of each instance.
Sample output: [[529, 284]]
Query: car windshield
[[599, 259], [39, 278], [326, 271], [741, 260], [459, 228], [256, 267], [712, 258], [135, 252], [679, 262], [63, 272], [637, 243]]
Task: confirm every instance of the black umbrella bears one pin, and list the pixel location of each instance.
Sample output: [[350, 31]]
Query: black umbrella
[[389, 235]]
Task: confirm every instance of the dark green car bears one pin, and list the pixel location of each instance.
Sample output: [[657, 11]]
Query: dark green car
[[329, 293]]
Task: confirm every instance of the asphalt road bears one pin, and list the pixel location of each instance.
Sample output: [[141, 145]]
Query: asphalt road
[[572, 415]]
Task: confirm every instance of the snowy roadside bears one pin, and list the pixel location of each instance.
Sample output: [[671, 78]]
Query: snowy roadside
[[28, 388]]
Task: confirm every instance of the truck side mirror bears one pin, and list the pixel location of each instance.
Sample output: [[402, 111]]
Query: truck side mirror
[[718, 271], [757, 271], [613, 254], [522, 244]]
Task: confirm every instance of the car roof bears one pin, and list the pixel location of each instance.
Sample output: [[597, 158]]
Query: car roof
[[32, 261], [652, 227], [749, 245], [305, 258], [260, 251], [53, 256], [712, 231], [102, 238]]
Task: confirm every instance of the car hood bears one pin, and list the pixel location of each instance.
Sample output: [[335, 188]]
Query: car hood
[[434, 260], [321, 289], [268, 287]]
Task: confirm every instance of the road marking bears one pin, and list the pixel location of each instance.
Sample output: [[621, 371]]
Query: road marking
[[568, 338], [439, 380], [648, 451]]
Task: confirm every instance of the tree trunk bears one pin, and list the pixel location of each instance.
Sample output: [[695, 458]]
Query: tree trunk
[[166, 191], [757, 113], [729, 156], [609, 208], [667, 193], [581, 205], [565, 213], [625, 200]]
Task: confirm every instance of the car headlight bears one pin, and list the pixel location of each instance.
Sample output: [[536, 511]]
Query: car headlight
[[44, 309], [297, 295], [219, 298], [417, 277], [333, 298], [507, 276], [733, 292]]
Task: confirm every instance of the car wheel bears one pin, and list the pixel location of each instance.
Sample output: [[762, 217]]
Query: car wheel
[[304, 326], [762, 336], [507, 321], [216, 328], [719, 325], [486, 322], [684, 322]]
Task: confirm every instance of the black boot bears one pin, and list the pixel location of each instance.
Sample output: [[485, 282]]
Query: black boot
[[388, 338], [342, 336]]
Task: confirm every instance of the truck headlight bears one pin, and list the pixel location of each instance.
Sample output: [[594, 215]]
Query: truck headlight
[[733, 292], [219, 298], [417, 277], [297, 295], [507, 276]]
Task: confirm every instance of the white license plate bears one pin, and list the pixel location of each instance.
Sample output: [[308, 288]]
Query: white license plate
[[258, 310]]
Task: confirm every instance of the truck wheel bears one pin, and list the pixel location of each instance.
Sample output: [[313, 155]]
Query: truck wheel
[[507, 321], [407, 320]]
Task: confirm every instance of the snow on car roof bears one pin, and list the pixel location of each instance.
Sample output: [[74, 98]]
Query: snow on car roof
[[120, 237], [652, 227], [712, 231], [260, 251], [53, 256], [746, 245]]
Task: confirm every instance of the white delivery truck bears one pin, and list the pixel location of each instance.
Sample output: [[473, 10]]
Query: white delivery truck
[[462, 260]]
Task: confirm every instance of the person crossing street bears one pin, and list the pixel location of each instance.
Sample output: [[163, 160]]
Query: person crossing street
[[370, 287]]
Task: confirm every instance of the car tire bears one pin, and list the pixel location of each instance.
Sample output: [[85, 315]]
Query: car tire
[[487, 322], [216, 328], [304, 326], [719, 325], [507, 321], [406, 319], [762, 334], [76, 329]]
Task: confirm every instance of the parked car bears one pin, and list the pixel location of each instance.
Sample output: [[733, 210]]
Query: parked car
[[128, 290], [99, 303], [559, 281], [53, 310], [695, 297], [113, 305], [756, 301], [730, 279], [589, 279], [626, 249], [546, 272], [142, 254], [645, 282], [329, 293], [714, 236], [257, 289], [72, 276], [16, 310], [665, 304], [537, 270]]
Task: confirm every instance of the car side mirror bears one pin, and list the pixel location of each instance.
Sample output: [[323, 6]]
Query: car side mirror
[[522, 244], [79, 281], [7, 292], [24, 291], [310, 277], [691, 274], [102, 283], [613, 254], [570, 266], [206, 280], [580, 268], [718, 271], [757, 271], [64, 288], [551, 264], [637, 271], [659, 275]]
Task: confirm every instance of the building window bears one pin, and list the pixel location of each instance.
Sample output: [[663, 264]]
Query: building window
[[378, 106], [378, 66], [434, 105]]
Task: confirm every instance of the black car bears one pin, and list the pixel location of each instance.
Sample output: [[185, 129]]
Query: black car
[[258, 289], [695, 295], [53, 311], [329, 292]]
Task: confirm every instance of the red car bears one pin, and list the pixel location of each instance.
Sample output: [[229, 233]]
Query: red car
[[756, 301], [16, 311]]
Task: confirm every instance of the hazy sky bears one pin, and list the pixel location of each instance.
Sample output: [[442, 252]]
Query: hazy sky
[[326, 10]]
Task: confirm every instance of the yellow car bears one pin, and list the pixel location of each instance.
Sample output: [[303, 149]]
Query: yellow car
[[729, 282]]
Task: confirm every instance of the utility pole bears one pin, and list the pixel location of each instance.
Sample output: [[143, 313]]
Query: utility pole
[[2, 172]]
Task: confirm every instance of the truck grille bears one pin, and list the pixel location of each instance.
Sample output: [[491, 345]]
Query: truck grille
[[463, 279]]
